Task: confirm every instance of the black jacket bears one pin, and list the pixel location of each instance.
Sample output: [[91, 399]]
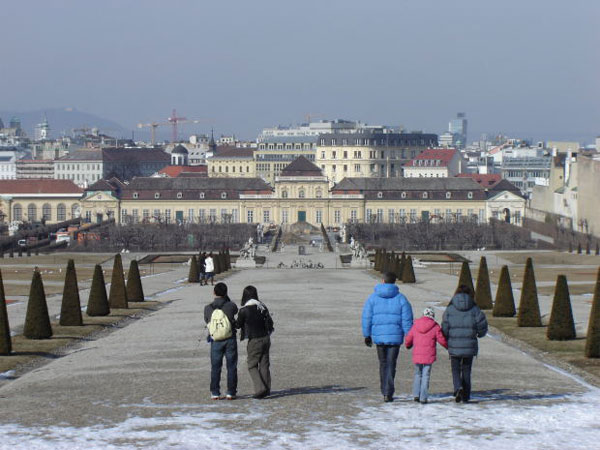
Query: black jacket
[[201, 265], [462, 324], [229, 308], [254, 322]]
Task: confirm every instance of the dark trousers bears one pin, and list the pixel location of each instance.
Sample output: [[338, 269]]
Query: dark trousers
[[461, 374], [259, 364], [388, 356], [218, 350]]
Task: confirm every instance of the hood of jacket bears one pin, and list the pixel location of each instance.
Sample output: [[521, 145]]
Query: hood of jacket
[[462, 302], [218, 302], [424, 324], [386, 290]]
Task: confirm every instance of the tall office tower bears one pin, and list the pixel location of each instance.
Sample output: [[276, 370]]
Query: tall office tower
[[458, 128]]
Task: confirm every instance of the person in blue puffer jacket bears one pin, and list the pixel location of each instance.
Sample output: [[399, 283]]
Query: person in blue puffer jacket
[[386, 318]]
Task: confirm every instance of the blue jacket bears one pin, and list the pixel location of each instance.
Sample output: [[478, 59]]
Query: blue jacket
[[387, 316]]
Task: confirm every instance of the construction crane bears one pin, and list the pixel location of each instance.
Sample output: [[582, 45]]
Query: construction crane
[[172, 121]]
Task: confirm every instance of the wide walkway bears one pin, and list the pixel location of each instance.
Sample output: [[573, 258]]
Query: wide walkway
[[146, 385]]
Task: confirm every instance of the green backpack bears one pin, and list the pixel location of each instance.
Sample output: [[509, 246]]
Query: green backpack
[[219, 326]]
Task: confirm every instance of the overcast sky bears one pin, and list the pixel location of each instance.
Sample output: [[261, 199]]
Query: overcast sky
[[522, 67]]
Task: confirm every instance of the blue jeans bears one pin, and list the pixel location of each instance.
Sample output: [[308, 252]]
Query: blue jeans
[[388, 355], [228, 349], [421, 381]]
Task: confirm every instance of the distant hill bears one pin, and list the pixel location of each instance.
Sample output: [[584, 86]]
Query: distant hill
[[64, 120]]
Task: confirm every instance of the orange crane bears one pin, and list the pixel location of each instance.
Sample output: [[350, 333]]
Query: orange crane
[[172, 121]]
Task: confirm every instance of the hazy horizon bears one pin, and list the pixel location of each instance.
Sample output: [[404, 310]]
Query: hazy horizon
[[525, 69]]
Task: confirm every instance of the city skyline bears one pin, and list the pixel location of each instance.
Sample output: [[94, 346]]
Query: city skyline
[[523, 69]]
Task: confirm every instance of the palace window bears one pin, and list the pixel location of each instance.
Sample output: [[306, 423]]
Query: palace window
[[179, 195], [301, 193], [337, 216], [250, 216], [448, 194], [135, 195], [469, 195], [201, 194], [223, 195], [403, 195], [380, 195]]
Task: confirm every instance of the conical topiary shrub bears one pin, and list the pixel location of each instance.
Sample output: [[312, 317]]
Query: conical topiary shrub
[[579, 248], [70, 309], [597, 248], [117, 298], [193, 275], [561, 326], [228, 255], [387, 267], [217, 263], [529, 307], [135, 291], [37, 320], [592, 343], [223, 262], [465, 278], [504, 306], [5, 339], [483, 291], [98, 301], [408, 272], [588, 248]]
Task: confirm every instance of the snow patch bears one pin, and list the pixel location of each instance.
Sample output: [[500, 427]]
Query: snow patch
[[514, 421]]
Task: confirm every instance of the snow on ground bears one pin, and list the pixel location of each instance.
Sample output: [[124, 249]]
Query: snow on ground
[[498, 421]]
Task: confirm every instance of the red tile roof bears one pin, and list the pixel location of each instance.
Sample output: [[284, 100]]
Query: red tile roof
[[42, 186], [486, 180], [443, 155], [183, 171]]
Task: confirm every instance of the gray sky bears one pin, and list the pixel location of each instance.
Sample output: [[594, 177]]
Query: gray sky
[[527, 67]]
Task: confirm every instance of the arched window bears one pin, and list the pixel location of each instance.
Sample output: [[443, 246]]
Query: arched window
[[301, 193], [380, 195], [470, 195], [284, 194], [46, 212], [75, 211], [61, 212], [17, 212], [319, 193], [403, 195], [135, 195], [201, 194], [32, 212], [448, 194], [223, 195], [425, 195], [157, 195]]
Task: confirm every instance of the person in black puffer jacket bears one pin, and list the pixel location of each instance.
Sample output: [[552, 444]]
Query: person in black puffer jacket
[[256, 324], [463, 323]]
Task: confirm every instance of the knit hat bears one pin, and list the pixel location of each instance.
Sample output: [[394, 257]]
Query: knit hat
[[429, 312]]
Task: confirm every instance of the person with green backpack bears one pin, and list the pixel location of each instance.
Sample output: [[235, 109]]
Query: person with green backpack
[[220, 321]]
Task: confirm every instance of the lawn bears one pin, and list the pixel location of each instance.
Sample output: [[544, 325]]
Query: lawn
[[28, 351], [571, 352]]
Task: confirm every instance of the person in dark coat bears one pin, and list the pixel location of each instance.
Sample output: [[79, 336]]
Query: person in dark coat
[[256, 324], [226, 348], [202, 269], [463, 323]]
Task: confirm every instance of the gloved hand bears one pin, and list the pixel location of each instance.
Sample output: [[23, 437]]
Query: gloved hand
[[368, 341]]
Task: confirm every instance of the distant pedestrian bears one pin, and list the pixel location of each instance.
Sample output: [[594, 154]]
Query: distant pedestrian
[[202, 268], [220, 319], [462, 324], [423, 337], [209, 269], [256, 324], [386, 318]]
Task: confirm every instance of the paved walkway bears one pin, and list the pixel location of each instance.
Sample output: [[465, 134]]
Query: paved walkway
[[146, 385]]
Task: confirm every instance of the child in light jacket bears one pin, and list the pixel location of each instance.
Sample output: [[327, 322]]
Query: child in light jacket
[[423, 336]]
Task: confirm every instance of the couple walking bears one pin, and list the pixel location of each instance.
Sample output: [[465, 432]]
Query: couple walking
[[387, 319], [255, 324]]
